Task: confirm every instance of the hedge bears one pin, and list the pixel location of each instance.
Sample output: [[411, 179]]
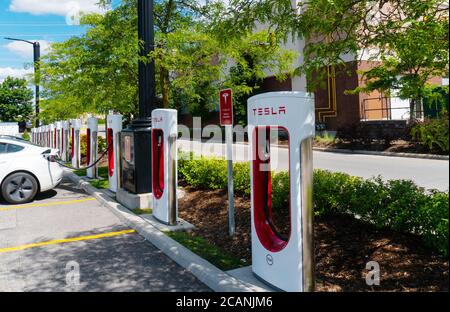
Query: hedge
[[399, 205]]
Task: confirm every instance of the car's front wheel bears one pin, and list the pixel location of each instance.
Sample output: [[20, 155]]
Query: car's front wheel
[[19, 188]]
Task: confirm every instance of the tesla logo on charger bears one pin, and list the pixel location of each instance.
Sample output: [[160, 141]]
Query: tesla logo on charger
[[269, 111], [269, 260]]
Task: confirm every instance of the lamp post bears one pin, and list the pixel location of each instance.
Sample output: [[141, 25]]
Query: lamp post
[[136, 174], [36, 59]]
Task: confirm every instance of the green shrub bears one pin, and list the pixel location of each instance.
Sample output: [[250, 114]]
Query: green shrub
[[83, 145], [399, 205], [433, 133], [26, 136], [241, 178], [280, 190]]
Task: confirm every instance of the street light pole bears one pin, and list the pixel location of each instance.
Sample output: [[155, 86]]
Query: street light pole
[[36, 59], [136, 175], [37, 77], [147, 83]]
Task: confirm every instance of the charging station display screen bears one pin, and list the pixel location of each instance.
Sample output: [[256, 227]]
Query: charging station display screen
[[272, 237], [158, 162]]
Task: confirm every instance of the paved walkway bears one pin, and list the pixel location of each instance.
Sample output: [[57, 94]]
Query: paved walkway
[[66, 241]]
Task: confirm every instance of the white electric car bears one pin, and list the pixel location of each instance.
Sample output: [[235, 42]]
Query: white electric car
[[26, 170]]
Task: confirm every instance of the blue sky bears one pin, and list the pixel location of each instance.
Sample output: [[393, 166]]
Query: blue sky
[[45, 21]]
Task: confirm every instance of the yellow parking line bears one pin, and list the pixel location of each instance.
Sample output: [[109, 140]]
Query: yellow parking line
[[47, 204], [67, 240]]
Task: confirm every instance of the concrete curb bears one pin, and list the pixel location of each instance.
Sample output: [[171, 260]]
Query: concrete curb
[[207, 273], [389, 154]]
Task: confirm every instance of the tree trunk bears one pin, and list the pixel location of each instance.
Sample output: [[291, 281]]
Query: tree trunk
[[412, 108]]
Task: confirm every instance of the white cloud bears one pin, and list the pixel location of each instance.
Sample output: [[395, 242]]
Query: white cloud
[[25, 50], [56, 7], [13, 72]]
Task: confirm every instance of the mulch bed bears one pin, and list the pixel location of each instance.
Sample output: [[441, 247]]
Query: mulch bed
[[343, 246]]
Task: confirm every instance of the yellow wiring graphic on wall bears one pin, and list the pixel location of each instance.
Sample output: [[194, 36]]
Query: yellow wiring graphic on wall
[[331, 110]]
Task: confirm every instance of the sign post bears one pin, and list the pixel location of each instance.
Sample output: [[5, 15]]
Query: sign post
[[226, 120]]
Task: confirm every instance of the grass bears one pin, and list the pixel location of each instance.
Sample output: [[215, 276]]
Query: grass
[[142, 211], [207, 251], [102, 183]]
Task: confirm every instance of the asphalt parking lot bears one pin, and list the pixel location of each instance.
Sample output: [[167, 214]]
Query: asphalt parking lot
[[66, 241]]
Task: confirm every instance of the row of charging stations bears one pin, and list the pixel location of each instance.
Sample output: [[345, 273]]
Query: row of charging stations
[[281, 259], [57, 136], [66, 137]]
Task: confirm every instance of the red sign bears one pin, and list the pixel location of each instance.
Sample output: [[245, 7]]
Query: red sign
[[226, 107]]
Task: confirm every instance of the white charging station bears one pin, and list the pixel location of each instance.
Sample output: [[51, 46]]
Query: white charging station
[[41, 136], [45, 136], [52, 135], [58, 128], [92, 147], [38, 135], [164, 165], [49, 136], [114, 123], [284, 261], [75, 125], [65, 140]]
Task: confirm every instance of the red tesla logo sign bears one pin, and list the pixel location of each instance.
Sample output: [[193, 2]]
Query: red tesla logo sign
[[226, 107]]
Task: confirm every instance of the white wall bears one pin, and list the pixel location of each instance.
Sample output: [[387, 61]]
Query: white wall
[[9, 128]]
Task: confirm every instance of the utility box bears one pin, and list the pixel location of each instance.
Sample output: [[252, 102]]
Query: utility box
[[133, 144]]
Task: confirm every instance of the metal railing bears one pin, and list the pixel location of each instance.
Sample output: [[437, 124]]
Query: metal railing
[[385, 110]]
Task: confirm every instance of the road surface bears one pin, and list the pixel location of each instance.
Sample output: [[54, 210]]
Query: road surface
[[431, 174], [66, 241]]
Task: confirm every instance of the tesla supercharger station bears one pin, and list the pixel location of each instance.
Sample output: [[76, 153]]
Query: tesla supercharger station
[[58, 130], [51, 135], [284, 261], [114, 123], [40, 134], [92, 147], [75, 142], [46, 136], [65, 140], [164, 165]]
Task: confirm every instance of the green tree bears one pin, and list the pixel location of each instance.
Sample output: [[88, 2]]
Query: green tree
[[410, 37], [97, 71], [15, 100]]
